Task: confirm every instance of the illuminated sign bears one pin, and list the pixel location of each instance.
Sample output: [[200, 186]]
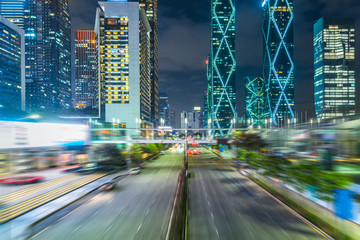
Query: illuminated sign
[[31, 135], [263, 4], [116, 51], [197, 108]]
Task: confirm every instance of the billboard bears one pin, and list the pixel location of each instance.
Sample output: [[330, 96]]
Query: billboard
[[31, 135]]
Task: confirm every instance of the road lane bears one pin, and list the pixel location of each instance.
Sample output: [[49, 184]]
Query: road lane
[[139, 208], [225, 205]]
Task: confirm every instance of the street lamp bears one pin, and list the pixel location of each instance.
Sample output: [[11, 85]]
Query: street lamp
[[209, 127]]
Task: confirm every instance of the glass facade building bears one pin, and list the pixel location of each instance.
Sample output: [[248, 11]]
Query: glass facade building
[[223, 65], [150, 7], [47, 26], [278, 18], [255, 101], [13, 10], [12, 67], [86, 70], [334, 67]]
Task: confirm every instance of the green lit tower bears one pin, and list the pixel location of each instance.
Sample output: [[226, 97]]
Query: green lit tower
[[223, 65], [255, 101], [278, 21]]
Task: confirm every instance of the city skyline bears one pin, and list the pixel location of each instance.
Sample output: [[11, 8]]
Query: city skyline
[[193, 19]]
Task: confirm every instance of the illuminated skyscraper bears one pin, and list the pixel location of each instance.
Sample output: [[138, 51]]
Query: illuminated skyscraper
[[12, 67], [255, 100], [13, 10], [150, 7], [278, 20], [223, 65], [334, 65], [124, 54], [47, 28], [86, 70]]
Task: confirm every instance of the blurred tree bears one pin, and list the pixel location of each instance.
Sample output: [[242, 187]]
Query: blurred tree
[[248, 141]]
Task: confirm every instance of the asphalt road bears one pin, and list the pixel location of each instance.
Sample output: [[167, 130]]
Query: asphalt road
[[225, 205], [139, 207]]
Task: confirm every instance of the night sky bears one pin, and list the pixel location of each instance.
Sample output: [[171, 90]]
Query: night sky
[[184, 43]]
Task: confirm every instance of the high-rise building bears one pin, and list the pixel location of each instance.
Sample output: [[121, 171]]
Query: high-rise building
[[150, 7], [86, 70], [12, 67], [223, 65], [278, 18], [164, 108], [334, 66], [255, 101], [191, 120], [124, 71], [13, 10], [47, 28]]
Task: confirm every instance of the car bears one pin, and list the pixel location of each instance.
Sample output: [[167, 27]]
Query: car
[[135, 170], [108, 186], [190, 152]]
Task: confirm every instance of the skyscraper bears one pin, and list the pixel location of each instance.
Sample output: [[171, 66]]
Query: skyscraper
[[124, 72], [86, 70], [12, 67], [278, 20], [223, 65], [13, 10], [334, 67], [47, 28], [150, 7], [255, 100]]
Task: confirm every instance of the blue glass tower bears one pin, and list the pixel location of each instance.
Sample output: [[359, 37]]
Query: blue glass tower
[[278, 70], [255, 100], [13, 10], [223, 65]]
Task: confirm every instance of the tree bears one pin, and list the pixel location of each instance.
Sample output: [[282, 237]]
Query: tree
[[248, 141], [111, 154], [136, 154]]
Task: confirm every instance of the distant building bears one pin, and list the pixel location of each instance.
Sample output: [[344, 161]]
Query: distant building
[[12, 67], [86, 70], [334, 65], [278, 21], [223, 65], [191, 120], [124, 71], [164, 108], [255, 100]]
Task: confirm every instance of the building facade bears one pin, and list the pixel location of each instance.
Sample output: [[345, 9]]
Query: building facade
[[12, 67], [124, 65], [86, 70], [191, 120], [223, 65], [150, 7], [278, 66], [13, 10], [255, 101], [334, 67]]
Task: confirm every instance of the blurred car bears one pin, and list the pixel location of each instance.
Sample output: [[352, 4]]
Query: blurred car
[[162, 153], [108, 186], [135, 171], [195, 152], [190, 151]]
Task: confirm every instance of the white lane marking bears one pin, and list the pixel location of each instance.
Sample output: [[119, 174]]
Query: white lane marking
[[138, 228], [217, 232], [76, 229], [212, 215], [147, 212], [109, 228]]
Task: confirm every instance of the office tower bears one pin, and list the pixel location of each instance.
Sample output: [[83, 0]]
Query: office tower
[[86, 71], [172, 118], [255, 101], [150, 7], [47, 28], [334, 67], [13, 10], [191, 120], [12, 67], [223, 65], [121, 27], [278, 66], [164, 108]]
